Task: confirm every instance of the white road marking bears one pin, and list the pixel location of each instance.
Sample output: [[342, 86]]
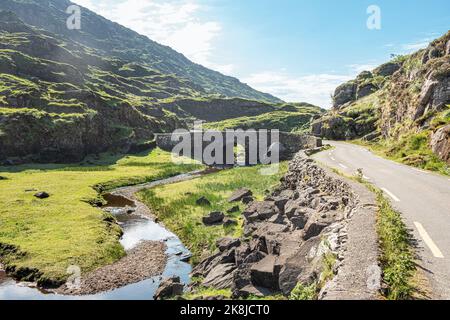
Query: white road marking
[[390, 194], [333, 159], [343, 166], [366, 177], [422, 171], [429, 242]]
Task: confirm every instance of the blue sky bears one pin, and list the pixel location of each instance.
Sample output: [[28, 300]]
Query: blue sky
[[298, 50]]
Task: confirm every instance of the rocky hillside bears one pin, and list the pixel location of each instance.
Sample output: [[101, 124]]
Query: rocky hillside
[[66, 93], [403, 105], [113, 40]]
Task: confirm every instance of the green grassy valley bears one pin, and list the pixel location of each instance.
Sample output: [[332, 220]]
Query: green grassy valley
[[39, 239]]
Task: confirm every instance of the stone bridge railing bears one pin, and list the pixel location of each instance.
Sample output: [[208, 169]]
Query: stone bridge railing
[[289, 144]]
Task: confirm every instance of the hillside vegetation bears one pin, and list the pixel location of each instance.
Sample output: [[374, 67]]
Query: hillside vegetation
[[288, 118], [401, 109], [65, 94]]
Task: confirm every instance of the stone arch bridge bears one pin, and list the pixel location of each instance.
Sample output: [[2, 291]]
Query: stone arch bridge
[[288, 144]]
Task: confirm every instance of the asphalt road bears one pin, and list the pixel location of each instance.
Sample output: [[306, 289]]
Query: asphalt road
[[422, 197]]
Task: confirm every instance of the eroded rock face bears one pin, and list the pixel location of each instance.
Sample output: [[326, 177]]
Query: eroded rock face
[[344, 93], [440, 143], [286, 235], [387, 69]]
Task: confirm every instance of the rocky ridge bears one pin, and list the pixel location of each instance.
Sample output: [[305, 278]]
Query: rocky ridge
[[291, 237], [407, 96]]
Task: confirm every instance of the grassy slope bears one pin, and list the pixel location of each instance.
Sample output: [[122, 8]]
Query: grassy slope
[[282, 120], [176, 205], [64, 229], [412, 148]]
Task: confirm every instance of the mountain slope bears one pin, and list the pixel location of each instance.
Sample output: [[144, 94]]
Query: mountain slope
[[403, 107], [65, 94], [114, 40]]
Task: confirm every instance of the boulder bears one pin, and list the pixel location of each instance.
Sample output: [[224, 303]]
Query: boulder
[[344, 93], [169, 288], [228, 222], [234, 209], [365, 90], [213, 218], [3, 178], [225, 244], [260, 210], [241, 253], [248, 200], [42, 195], [298, 267], [440, 143], [291, 208], [240, 194], [220, 277], [265, 273], [203, 202], [387, 69], [317, 222]]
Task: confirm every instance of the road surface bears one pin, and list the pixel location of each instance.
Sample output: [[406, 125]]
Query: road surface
[[422, 197]]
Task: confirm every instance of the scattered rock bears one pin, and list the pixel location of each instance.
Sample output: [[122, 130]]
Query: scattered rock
[[3, 178], [220, 277], [42, 195], [228, 222], [213, 218], [240, 194], [248, 200], [234, 209], [282, 235], [203, 202], [265, 273], [169, 288], [225, 244], [261, 210]]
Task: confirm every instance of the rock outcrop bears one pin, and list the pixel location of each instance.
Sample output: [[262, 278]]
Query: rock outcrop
[[440, 143], [406, 96], [286, 236]]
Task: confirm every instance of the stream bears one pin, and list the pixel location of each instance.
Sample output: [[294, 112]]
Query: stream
[[135, 220]]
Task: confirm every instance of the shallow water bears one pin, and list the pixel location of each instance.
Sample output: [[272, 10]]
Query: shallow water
[[136, 229]]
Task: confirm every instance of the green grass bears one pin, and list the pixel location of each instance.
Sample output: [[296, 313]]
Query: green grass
[[397, 255], [64, 229], [175, 205], [410, 149], [287, 121], [304, 293], [202, 292]]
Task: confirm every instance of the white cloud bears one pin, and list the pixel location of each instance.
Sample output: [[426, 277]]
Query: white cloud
[[358, 68], [174, 23], [315, 88], [415, 46]]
